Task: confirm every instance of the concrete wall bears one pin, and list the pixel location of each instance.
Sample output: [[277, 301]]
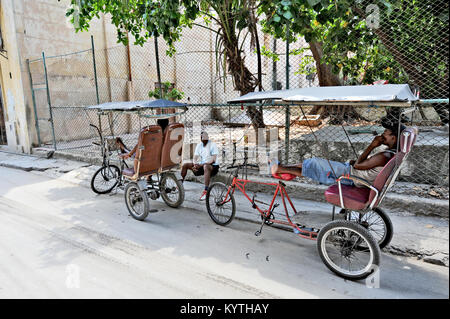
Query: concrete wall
[[34, 26], [15, 112], [40, 25]]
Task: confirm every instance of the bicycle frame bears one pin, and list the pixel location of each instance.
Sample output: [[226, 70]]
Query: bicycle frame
[[267, 214]]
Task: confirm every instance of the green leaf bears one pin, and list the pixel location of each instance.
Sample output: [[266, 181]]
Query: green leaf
[[276, 18], [312, 3], [287, 15]]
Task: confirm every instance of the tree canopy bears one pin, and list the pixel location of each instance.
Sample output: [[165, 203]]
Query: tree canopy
[[352, 41]]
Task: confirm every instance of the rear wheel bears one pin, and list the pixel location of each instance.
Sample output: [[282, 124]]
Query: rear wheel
[[376, 222], [105, 179], [137, 201], [172, 190], [348, 249], [220, 204]]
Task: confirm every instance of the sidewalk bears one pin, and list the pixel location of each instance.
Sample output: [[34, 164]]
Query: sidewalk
[[422, 236]]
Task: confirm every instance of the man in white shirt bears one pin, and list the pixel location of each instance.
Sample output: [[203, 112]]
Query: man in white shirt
[[205, 161]]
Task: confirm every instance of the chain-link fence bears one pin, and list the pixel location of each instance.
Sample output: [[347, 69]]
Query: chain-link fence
[[409, 45]]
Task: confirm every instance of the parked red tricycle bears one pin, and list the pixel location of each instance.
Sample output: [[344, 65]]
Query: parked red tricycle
[[349, 247]]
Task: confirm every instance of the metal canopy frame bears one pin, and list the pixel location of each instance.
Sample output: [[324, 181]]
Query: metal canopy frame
[[114, 109], [358, 95]]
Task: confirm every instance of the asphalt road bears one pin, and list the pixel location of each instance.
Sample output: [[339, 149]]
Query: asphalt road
[[60, 240]]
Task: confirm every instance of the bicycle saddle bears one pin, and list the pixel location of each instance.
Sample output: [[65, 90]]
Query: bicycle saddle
[[284, 176]]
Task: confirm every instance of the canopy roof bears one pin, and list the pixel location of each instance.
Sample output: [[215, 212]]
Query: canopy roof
[[389, 94], [137, 105]]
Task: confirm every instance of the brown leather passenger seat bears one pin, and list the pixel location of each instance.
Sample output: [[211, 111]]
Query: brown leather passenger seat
[[148, 154], [173, 143]]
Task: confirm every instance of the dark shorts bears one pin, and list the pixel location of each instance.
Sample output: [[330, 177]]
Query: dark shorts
[[201, 171]]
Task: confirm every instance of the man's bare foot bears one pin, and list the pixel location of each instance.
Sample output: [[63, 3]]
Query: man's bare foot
[[273, 164], [274, 168]]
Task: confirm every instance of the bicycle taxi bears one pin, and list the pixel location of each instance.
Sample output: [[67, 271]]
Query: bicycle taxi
[[349, 247], [157, 154]]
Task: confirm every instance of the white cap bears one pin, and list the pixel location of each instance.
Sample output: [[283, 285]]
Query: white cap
[[204, 136]]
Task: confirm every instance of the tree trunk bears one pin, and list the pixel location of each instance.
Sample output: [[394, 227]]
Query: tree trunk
[[324, 73], [244, 81]]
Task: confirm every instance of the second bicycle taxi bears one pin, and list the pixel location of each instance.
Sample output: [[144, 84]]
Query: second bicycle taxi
[[157, 154]]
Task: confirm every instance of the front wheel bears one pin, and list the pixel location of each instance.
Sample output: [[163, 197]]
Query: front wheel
[[376, 222], [105, 179], [348, 249], [137, 201], [220, 204], [172, 190]]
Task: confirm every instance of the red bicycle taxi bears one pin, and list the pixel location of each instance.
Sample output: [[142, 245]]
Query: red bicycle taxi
[[350, 248]]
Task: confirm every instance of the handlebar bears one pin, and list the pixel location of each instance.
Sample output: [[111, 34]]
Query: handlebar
[[98, 130]]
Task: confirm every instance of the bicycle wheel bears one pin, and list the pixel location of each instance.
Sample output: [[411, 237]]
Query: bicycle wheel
[[105, 179], [348, 249], [137, 201], [221, 207], [172, 190], [376, 221]]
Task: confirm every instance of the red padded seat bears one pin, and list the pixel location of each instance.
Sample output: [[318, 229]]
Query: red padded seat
[[284, 176], [355, 198]]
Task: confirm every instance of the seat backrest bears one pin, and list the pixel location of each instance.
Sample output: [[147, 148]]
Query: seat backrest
[[173, 146], [148, 157], [390, 171]]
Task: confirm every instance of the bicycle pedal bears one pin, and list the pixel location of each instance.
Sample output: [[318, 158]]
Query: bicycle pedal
[[153, 211]]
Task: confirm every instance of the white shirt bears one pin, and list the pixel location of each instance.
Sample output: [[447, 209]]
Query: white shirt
[[206, 152]]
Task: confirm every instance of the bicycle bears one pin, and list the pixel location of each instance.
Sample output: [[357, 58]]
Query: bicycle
[[347, 248], [108, 176]]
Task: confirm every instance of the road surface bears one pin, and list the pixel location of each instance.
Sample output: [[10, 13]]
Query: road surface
[[60, 240]]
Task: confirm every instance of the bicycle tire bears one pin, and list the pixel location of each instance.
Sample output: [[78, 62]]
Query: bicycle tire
[[164, 194], [134, 194], [103, 172], [345, 250], [216, 192], [369, 223]]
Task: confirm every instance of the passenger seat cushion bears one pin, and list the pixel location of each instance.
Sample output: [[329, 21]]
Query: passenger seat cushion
[[128, 172], [355, 198]]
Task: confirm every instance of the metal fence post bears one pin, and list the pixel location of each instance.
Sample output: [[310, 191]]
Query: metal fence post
[[288, 111], [36, 118], [49, 100], [95, 69], [96, 81], [158, 71]]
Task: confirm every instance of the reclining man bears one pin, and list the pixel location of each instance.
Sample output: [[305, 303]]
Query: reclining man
[[205, 161], [365, 167]]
